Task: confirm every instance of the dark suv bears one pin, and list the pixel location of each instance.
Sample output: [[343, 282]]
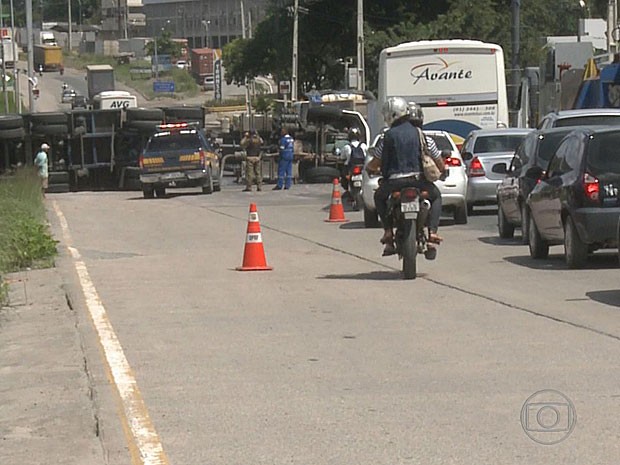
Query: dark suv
[[178, 155], [526, 168], [576, 202]]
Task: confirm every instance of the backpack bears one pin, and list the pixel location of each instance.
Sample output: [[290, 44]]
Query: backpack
[[357, 154]]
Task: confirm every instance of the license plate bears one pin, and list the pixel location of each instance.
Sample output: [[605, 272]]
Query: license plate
[[357, 177], [357, 183], [407, 207]]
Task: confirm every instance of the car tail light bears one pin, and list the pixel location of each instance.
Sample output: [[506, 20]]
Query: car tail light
[[591, 187], [141, 161], [357, 169], [202, 158], [408, 195], [475, 168], [452, 161]]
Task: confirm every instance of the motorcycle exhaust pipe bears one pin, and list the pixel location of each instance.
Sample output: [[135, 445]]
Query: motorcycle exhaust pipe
[[425, 204]]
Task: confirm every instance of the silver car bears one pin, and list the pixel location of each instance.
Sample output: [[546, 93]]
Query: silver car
[[453, 189], [482, 150]]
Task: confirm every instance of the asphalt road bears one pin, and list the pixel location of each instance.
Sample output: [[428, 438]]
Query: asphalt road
[[332, 358]]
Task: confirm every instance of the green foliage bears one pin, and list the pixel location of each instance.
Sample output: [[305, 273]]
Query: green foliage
[[165, 46], [25, 241], [327, 32]]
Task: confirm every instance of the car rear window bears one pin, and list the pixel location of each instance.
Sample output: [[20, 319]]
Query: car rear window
[[174, 142], [498, 143], [591, 120], [603, 154], [442, 142], [548, 145]]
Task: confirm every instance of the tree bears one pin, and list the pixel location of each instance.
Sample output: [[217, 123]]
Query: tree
[[165, 46], [328, 32]]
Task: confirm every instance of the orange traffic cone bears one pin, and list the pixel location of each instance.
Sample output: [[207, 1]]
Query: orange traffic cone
[[254, 254], [336, 210]]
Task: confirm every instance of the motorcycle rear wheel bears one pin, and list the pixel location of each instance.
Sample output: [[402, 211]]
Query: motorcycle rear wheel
[[410, 249]]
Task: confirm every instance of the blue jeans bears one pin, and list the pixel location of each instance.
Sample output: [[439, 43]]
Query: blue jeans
[[285, 173]]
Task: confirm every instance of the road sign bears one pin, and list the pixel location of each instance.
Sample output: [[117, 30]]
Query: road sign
[[285, 87], [217, 80], [163, 86]]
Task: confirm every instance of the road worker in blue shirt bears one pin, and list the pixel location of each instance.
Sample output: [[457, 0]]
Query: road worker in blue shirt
[[285, 161]]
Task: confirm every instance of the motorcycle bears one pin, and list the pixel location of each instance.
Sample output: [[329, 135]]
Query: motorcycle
[[409, 210], [355, 186]]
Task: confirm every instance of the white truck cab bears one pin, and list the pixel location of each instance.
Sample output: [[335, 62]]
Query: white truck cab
[[114, 99]]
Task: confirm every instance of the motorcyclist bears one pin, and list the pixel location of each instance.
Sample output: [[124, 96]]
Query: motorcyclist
[[399, 158], [416, 117], [354, 153]]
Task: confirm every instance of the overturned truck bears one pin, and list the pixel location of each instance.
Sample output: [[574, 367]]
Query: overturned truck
[[90, 149]]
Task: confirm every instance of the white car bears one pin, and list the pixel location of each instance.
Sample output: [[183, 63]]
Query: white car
[[453, 189], [182, 64]]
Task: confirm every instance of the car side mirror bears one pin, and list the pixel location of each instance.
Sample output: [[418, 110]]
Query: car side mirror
[[467, 156], [500, 168]]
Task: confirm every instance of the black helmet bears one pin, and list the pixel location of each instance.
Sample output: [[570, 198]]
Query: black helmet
[[354, 134], [416, 114]]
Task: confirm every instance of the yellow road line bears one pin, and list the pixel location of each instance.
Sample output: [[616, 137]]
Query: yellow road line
[[142, 439]]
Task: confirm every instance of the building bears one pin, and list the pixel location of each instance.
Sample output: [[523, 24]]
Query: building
[[122, 19], [205, 23]]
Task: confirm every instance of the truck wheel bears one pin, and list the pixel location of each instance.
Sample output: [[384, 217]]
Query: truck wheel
[[321, 174], [15, 133], [58, 177], [50, 129], [48, 118], [160, 192], [144, 114], [11, 122], [58, 188]]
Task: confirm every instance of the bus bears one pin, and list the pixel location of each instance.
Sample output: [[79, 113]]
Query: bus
[[460, 84]]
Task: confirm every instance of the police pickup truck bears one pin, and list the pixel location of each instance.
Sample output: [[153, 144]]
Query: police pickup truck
[[178, 155]]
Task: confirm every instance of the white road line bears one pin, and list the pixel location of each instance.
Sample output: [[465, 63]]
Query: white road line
[[136, 419]]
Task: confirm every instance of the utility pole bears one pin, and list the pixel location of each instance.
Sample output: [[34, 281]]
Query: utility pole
[[6, 96], [248, 99], [30, 71], [295, 47], [69, 14], [612, 26], [18, 101], [516, 46], [361, 84]]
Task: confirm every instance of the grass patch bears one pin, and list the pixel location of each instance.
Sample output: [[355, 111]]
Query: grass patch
[[25, 240], [185, 85]]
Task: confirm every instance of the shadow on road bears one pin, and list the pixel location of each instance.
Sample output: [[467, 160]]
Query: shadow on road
[[484, 212], [556, 262], [495, 240], [610, 297], [353, 225], [372, 276]]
